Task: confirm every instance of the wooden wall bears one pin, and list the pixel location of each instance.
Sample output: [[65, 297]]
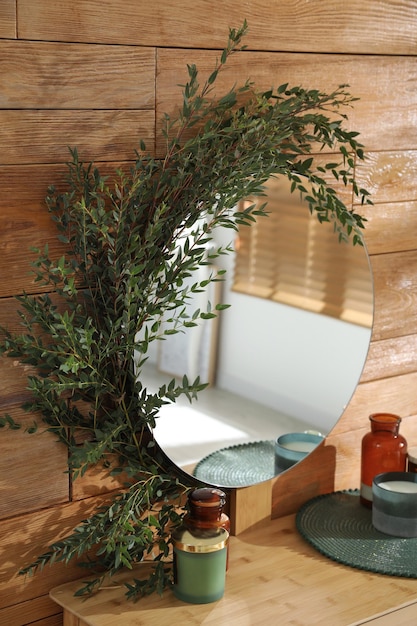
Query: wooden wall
[[99, 75]]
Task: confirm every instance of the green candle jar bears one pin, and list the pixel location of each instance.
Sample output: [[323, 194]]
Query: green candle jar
[[199, 564]]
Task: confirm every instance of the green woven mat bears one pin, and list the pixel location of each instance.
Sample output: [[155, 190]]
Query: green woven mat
[[339, 527], [238, 466]]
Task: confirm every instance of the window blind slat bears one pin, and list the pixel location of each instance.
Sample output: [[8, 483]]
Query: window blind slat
[[291, 258]]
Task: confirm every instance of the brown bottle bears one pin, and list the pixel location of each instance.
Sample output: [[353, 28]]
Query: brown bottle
[[412, 460], [383, 450], [206, 510]]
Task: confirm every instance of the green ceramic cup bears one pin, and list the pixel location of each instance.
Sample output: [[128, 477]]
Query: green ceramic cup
[[394, 503]]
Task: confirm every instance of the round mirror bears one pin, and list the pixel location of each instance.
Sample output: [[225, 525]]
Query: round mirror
[[283, 358]]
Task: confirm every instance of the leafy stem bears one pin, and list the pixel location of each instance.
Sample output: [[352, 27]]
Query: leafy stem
[[133, 242]]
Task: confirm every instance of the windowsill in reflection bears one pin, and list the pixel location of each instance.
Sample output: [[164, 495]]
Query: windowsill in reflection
[[218, 419]]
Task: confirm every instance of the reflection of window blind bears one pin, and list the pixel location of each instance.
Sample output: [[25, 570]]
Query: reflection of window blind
[[291, 258]]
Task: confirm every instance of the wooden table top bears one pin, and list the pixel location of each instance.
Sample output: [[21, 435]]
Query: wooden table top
[[274, 577]]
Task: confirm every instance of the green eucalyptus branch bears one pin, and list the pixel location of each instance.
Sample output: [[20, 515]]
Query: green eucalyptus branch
[[132, 241], [123, 534]]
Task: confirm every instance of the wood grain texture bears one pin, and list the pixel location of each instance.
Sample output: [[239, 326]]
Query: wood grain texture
[[32, 137], [52, 620], [8, 19], [241, 512], [402, 616], [25, 537], [275, 577], [294, 25], [14, 379], [314, 475], [13, 376], [39, 612], [390, 176], [394, 395], [26, 221], [26, 224], [395, 288], [36, 476], [390, 357], [391, 227], [49, 75], [96, 480], [380, 112]]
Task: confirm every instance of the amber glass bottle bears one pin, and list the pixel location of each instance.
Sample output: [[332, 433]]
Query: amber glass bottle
[[383, 450], [412, 460], [206, 509]]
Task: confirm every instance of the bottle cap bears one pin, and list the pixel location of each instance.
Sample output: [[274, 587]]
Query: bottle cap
[[209, 497], [385, 418]]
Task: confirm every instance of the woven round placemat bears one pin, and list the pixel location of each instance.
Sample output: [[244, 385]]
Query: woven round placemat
[[238, 466], [339, 527]]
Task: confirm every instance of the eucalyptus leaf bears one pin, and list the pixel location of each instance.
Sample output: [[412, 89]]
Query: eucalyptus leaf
[[132, 239]]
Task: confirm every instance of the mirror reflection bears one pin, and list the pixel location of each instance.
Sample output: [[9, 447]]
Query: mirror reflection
[[276, 363]]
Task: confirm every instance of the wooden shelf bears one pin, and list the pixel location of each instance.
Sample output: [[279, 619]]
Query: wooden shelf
[[274, 577]]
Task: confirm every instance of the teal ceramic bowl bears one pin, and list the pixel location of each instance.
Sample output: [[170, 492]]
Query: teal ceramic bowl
[[293, 447], [394, 503]]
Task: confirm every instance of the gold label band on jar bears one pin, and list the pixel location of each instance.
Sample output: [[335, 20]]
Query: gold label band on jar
[[200, 549], [200, 545]]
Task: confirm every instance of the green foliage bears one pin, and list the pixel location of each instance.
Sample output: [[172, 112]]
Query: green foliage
[[132, 240], [128, 531]]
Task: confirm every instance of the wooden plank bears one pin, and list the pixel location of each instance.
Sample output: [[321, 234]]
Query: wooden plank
[[53, 620], [275, 577], [30, 612], [25, 537], [13, 376], [46, 75], [319, 25], [393, 395], [34, 477], [96, 481], [402, 616], [375, 115], [39, 453], [26, 221], [31, 137], [26, 224], [72, 620], [8, 19], [391, 227], [10, 319], [26, 187], [395, 289], [389, 176], [391, 357]]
